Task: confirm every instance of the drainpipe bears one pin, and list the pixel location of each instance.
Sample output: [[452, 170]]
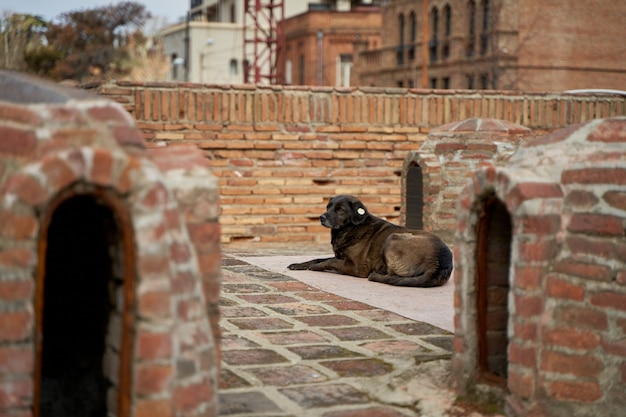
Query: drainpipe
[[425, 46], [320, 56]]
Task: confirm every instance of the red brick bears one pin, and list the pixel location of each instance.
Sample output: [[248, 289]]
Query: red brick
[[541, 225], [528, 306], [581, 199], [152, 379], [16, 360], [17, 258], [153, 408], [155, 305], [102, 167], [581, 316], [521, 385], [525, 331], [590, 245], [58, 172], [180, 252], [596, 224], [528, 278], [615, 199], [571, 338], [584, 366], [154, 345], [584, 270], [529, 191], [16, 290], [189, 397], [129, 136], [17, 142], [107, 114], [609, 300], [19, 114], [17, 226], [27, 188], [16, 393], [537, 251], [585, 391], [615, 176], [524, 356], [617, 348], [561, 288]]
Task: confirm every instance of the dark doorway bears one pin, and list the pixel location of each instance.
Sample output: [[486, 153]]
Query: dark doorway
[[82, 280], [493, 255], [414, 198]]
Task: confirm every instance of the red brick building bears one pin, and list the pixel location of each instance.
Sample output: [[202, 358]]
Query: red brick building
[[499, 44], [321, 44]]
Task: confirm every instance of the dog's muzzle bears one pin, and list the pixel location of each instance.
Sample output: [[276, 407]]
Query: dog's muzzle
[[325, 222]]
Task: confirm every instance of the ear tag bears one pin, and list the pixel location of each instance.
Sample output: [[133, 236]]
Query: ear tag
[[361, 211]]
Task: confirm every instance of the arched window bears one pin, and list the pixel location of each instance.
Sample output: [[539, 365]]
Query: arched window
[[412, 35], [400, 49], [447, 16], [471, 13], [484, 35], [434, 25], [232, 69]]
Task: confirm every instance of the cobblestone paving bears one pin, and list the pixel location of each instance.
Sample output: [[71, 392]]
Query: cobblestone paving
[[289, 349]]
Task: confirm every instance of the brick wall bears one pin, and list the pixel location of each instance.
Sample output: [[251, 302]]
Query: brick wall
[[280, 152]]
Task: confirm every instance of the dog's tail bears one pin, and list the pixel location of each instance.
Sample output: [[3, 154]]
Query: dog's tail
[[433, 278]]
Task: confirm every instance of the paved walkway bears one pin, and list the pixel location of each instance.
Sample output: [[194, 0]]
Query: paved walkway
[[290, 349]]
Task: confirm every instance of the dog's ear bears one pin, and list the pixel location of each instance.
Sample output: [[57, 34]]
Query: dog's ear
[[359, 212]]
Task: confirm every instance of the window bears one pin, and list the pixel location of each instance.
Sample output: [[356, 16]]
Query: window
[[471, 12], [344, 66], [288, 69], [447, 13], [432, 44], [400, 48], [412, 36], [446, 82], [232, 69], [470, 82], [301, 69], [484, 36], [433, 83], [484, 81]]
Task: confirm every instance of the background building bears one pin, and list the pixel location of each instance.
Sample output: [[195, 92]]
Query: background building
[[499, 44]]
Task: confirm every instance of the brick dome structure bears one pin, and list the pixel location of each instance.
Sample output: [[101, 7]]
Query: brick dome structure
[[102, 308], [540, 274], [433, 176]]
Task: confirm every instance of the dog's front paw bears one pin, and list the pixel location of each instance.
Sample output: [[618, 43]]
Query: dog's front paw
[[298, 267]]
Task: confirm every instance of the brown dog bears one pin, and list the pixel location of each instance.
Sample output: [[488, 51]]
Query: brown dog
[[367, 246]]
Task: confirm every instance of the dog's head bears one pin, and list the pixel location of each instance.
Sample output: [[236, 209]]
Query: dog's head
[[343, 210]]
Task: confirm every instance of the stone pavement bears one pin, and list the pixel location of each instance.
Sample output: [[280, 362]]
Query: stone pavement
[[289, 349]]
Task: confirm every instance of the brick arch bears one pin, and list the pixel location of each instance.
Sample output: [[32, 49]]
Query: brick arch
[[430, 170], [164, 272], [511, 190]]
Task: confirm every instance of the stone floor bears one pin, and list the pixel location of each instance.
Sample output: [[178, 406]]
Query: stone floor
[[289, 349]]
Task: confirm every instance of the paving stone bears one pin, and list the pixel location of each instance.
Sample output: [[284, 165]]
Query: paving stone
[[357, 333], [368, 412], [245, 402], [325, 395], [323, 352], [267, 299], [265, 323], [296, 309], [252, 357], [244, 288], [230, 312], [294, 338], [288, 375], [227, 302], [394, 347], [320, 296], [417, 328], [327, 320], [359, 367], [382, 316], [229, 380], [292, 286], [443, 342], [350, 305], [232, 341]]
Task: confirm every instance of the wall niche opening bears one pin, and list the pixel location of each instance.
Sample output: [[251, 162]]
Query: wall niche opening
[[493, 253], [414, 198], [80, 311]]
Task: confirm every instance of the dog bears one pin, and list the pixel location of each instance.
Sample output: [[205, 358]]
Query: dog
[[369, 247]]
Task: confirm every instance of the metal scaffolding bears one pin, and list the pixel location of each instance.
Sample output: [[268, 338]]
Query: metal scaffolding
[[264, 40]]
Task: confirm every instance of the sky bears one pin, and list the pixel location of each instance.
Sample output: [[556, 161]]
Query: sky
[[168, 10]]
